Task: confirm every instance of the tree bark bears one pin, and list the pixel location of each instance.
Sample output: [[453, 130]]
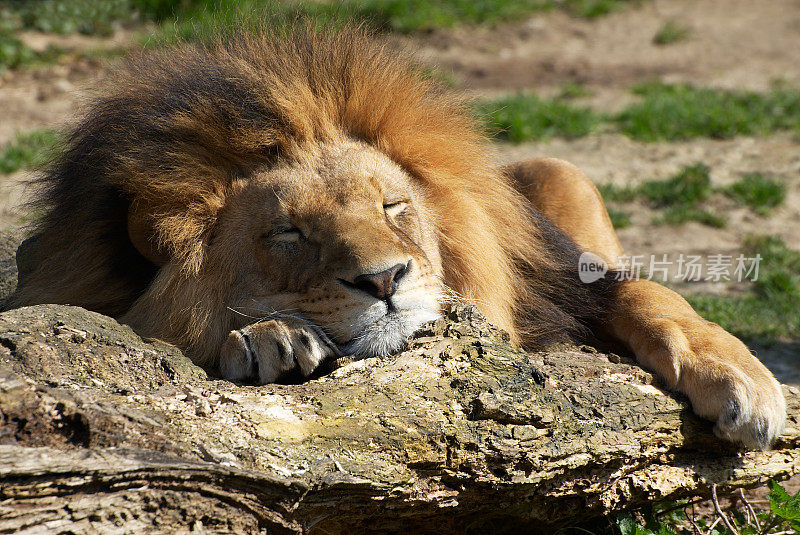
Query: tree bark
[[105, 432]]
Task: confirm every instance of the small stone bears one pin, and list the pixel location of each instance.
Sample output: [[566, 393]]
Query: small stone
[[528, 432], [203, 407]]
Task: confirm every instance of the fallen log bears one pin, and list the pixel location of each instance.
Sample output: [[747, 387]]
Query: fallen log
[[102, 431]]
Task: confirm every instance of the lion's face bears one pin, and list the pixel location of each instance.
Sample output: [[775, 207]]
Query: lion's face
[[341, 239]]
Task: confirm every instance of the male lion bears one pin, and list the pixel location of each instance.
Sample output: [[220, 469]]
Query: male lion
[[265, 203]]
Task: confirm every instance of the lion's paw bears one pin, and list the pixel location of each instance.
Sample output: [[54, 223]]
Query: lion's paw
[[752, 411], [265, 352], [731, 387]]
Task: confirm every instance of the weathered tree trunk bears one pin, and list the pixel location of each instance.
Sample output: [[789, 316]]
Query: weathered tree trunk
[[104, 432]]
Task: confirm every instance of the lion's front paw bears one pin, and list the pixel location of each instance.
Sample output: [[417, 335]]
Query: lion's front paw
[[731, 387], [751, 411], [269, 350]]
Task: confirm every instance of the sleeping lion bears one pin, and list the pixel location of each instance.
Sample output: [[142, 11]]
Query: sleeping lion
[[266, 203]]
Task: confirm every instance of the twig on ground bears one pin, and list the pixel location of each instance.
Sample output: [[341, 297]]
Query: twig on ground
[[750, 511], [691, 519], [718, 509]]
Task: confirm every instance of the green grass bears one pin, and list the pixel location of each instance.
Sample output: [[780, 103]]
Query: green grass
[[682, 195], [669, 518], [194, 21], [572, 90], [664, 113], [613, 193], [524, 117], [677, 215], [679, 196], [591, 9], [674, 112], [689, 186], [13, 52], [94, 17], [197, 19], [619, 218], [671, 32], [758, 191], [769, 311], [28, 151], [405, 16]]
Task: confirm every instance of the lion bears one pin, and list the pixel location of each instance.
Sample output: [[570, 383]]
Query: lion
[[267, 203]]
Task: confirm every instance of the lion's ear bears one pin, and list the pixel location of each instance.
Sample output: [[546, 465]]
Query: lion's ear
[[142, 234]]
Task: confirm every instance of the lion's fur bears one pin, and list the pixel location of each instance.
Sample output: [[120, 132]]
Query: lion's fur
[[176, 129]]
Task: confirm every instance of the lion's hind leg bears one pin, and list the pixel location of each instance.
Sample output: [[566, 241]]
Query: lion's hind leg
[[718, 373], [569, 199]]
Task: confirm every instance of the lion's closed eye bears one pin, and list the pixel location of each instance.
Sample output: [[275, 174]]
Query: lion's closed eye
[[284, 235], [393, 209]]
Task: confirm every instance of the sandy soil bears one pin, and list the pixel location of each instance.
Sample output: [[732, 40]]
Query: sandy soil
[[734, 43]]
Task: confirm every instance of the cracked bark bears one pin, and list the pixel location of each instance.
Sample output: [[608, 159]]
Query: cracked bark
[[101, 431]]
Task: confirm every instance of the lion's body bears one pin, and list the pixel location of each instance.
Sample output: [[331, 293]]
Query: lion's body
[[254, 172]]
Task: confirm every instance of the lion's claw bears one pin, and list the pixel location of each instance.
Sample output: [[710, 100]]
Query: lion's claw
[[266, 351]]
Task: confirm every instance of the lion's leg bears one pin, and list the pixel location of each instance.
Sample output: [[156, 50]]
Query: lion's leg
[[719, 374], [563, 193], [723, 380]]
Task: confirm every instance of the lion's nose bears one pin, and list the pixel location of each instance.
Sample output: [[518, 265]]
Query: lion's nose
[[381, 285]]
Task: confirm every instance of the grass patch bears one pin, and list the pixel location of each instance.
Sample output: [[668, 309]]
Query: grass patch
[[13, 52], [404, 16], [197, 19], [758, 191], [524, 117], [619, 218], [677, 215], [665, 113], [679, 196], [91, 17], [613, 193], [688, 187], [28, 151], [769, 311], [572, 90], [591, 9], [670, 518], [673, 112], [671, 32]]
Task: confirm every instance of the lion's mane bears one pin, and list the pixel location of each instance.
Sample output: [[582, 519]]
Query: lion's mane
[[173, 129]]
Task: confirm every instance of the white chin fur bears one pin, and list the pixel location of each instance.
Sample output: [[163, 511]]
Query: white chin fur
[[388, 333]]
